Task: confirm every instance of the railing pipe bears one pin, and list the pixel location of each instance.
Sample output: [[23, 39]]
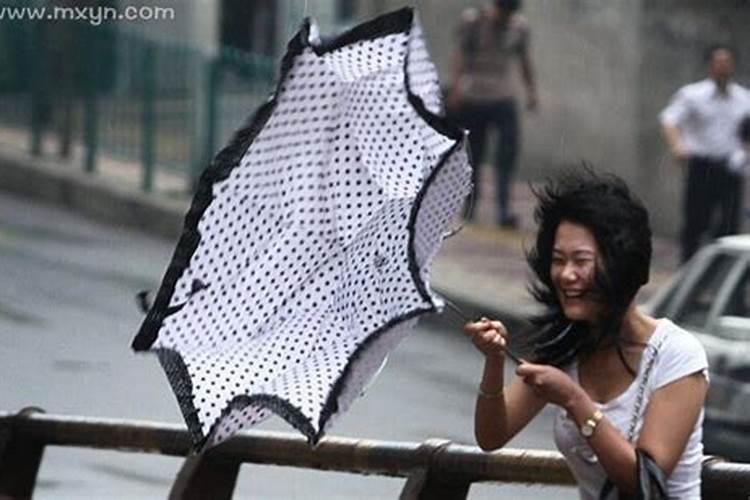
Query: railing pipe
[[276, 448], [431, 467]]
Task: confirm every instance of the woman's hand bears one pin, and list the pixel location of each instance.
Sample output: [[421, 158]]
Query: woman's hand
[[488, 336], [550, 383]]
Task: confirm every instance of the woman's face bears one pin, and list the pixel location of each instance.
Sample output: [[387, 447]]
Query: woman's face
[[574, 260]]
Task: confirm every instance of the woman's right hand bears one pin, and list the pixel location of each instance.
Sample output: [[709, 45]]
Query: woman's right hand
[[488, 336]]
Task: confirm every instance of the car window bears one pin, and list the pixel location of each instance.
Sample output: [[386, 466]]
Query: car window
[[697, 304], [665, 301], [734, 320]]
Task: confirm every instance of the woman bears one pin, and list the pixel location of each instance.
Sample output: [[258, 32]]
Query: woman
[[595, 351]]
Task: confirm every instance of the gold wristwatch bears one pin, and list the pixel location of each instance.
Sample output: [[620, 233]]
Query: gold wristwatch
[[589, 426]]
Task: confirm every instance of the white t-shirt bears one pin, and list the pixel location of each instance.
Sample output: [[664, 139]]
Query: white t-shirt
[[680, 355], [707, 118]]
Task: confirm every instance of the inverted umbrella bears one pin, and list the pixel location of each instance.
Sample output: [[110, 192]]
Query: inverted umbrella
[[305, 255]]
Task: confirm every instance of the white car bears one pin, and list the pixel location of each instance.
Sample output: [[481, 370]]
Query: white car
[[710, 297]]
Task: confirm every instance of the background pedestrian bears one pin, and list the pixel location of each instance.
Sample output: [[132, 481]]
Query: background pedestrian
[[700, 127], [493, 46]]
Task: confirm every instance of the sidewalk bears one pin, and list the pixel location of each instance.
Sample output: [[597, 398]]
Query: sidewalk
[[481, 269]]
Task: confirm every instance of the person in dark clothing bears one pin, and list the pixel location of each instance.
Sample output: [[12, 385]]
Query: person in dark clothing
[[493, 43]]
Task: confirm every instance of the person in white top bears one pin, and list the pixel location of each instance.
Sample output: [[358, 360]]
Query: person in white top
[[626, 384], [700, 127]]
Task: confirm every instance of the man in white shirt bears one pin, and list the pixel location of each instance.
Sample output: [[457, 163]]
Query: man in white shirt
[[700, 127]]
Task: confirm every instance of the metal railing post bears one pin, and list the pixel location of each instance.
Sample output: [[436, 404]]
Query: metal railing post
[[212, 113], [90, 129], [424, 484], [201, 64], [728, 481], [148, 130], [40, 105], [205, 475], [20, 458]]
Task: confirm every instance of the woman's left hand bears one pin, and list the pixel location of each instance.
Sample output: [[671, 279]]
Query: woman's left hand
[[550, 383]]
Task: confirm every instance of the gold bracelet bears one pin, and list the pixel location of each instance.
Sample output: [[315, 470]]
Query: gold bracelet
[[491, 395]]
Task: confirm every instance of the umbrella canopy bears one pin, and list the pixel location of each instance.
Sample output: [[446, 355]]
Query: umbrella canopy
[[305, 255]]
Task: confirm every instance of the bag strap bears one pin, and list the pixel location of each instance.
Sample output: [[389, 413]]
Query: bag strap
[[652, 482], [642, 387], [608, 484]]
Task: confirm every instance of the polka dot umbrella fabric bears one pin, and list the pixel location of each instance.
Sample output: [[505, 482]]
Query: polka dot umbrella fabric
[[305, 255]]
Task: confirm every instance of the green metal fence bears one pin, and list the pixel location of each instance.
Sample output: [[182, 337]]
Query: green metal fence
[[89, 93], [15, 73]]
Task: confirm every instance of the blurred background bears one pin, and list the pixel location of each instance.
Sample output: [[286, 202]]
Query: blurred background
[[163, 91]]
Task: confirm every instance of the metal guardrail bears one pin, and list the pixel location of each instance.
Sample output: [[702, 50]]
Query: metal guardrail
[[435, 469], [106, 92]]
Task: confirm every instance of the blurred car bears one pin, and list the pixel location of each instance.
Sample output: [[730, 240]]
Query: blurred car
[[710, 297]]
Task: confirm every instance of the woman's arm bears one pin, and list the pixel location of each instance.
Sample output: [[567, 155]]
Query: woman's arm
[[670, 418], [499, 414], [668, 422], [614, 452], [498, 419], [529, 80], [673, 138]]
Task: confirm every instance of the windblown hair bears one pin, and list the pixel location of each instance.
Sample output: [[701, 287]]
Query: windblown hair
[[620, 225]]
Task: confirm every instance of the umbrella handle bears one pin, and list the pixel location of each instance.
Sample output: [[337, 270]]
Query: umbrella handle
[[514, 357]]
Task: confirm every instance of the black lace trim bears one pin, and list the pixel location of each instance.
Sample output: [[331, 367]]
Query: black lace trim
[[182, 386], [220, 168]]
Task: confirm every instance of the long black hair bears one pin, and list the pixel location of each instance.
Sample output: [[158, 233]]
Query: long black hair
[[620, 225]]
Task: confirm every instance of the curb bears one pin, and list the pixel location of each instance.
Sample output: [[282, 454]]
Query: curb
[[90, 195]]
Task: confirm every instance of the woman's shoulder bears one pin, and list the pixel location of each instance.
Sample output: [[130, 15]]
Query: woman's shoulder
[[676, 339], [679, 353]]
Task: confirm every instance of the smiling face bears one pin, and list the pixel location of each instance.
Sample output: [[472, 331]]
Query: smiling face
[[574, 261]]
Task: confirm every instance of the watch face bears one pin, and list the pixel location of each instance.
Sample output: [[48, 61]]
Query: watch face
[[587, 430]]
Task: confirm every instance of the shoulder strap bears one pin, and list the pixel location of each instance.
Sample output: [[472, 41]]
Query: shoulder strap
[[642, 386]]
